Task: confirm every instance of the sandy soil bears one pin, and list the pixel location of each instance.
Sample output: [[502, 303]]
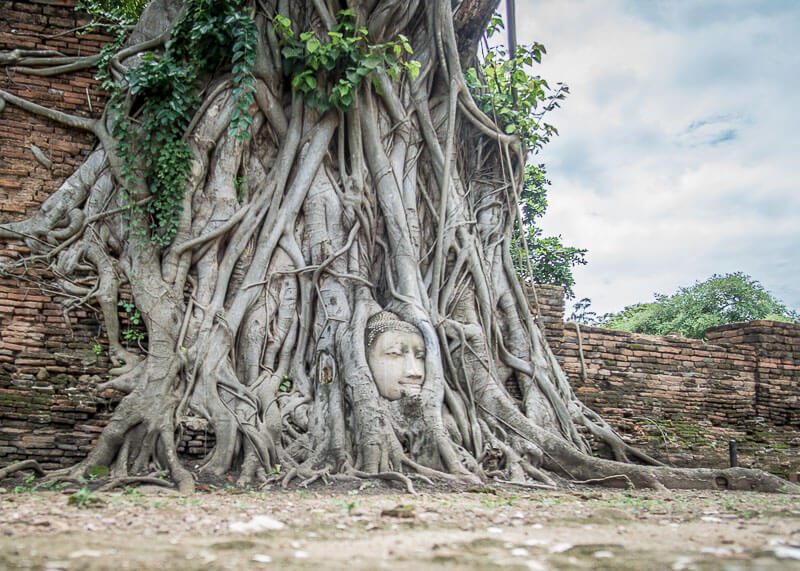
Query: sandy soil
[[378, 527]]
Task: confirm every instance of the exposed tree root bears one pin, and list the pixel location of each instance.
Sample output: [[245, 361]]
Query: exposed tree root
[[121, 482], [532, 485], [389, 477], [31, 465]]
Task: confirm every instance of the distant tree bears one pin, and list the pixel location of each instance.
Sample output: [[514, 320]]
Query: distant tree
[[551, 261], [582, 313], [691, 310]]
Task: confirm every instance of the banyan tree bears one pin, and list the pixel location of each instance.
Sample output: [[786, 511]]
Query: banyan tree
[[312, 206]]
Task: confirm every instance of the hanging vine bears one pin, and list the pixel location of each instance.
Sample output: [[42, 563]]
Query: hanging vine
[[167, 88]]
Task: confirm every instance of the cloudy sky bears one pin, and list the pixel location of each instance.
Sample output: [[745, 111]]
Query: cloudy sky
[[679, 153]]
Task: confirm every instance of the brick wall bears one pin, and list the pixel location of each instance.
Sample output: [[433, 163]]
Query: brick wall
[[48, 368], [683, 399], [777, 375], [43, 25], [550, 300]]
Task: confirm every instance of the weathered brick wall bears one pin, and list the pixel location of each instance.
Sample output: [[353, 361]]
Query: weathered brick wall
[[682, 399], [649, 386], [43, 25], [48, 369], [777, 376], [48, 409], [550, 301]]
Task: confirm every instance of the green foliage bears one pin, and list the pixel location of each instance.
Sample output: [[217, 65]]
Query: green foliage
[[26, 486], [132, 334], [83, 498], [245, 39], [111, 10], [240, 184], [115, 18], [98, 471], [163, 93], [347, 506], [29, 485], [551, 260], [133, 313], [329, 70], [286, 384], [495, 24], [691, 310], [132, 492], [504, 88]]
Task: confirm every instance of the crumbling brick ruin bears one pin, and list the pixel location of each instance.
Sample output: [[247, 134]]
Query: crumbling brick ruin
[[682, 399]]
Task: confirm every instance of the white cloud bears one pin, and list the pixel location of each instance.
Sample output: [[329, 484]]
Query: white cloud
[[678, 150]]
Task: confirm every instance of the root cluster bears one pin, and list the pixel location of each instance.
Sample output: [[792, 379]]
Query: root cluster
[[288, 241]]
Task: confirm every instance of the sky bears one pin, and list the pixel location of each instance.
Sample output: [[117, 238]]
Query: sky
[[679, 148]]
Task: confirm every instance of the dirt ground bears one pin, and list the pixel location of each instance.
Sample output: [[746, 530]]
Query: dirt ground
[[379, 527]]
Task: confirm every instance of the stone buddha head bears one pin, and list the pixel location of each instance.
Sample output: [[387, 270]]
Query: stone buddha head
[[396, 355]]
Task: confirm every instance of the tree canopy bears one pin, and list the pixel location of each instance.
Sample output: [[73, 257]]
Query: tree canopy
[[720, 299]]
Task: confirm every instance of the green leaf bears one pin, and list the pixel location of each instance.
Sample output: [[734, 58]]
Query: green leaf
[[371, 62], [413, 69], [291, 52], [312, 45], [376, 85]]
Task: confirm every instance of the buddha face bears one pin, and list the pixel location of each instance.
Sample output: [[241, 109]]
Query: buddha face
[[396, 357]]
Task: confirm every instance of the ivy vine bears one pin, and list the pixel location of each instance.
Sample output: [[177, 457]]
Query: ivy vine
[[109, 12], [152, 108]]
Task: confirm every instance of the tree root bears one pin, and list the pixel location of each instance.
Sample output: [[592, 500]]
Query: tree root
[[388, 476], [126, 481], [32, 465], [531, 485], [608, 479]]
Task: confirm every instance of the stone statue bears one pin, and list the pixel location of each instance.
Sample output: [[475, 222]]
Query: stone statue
[[395, 355]]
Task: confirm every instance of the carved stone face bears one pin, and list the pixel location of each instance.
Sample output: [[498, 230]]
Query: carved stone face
[[396, 357]]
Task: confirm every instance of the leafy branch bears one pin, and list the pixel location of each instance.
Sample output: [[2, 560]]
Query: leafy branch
[[518, 100], [505, 87], [343, 59]]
